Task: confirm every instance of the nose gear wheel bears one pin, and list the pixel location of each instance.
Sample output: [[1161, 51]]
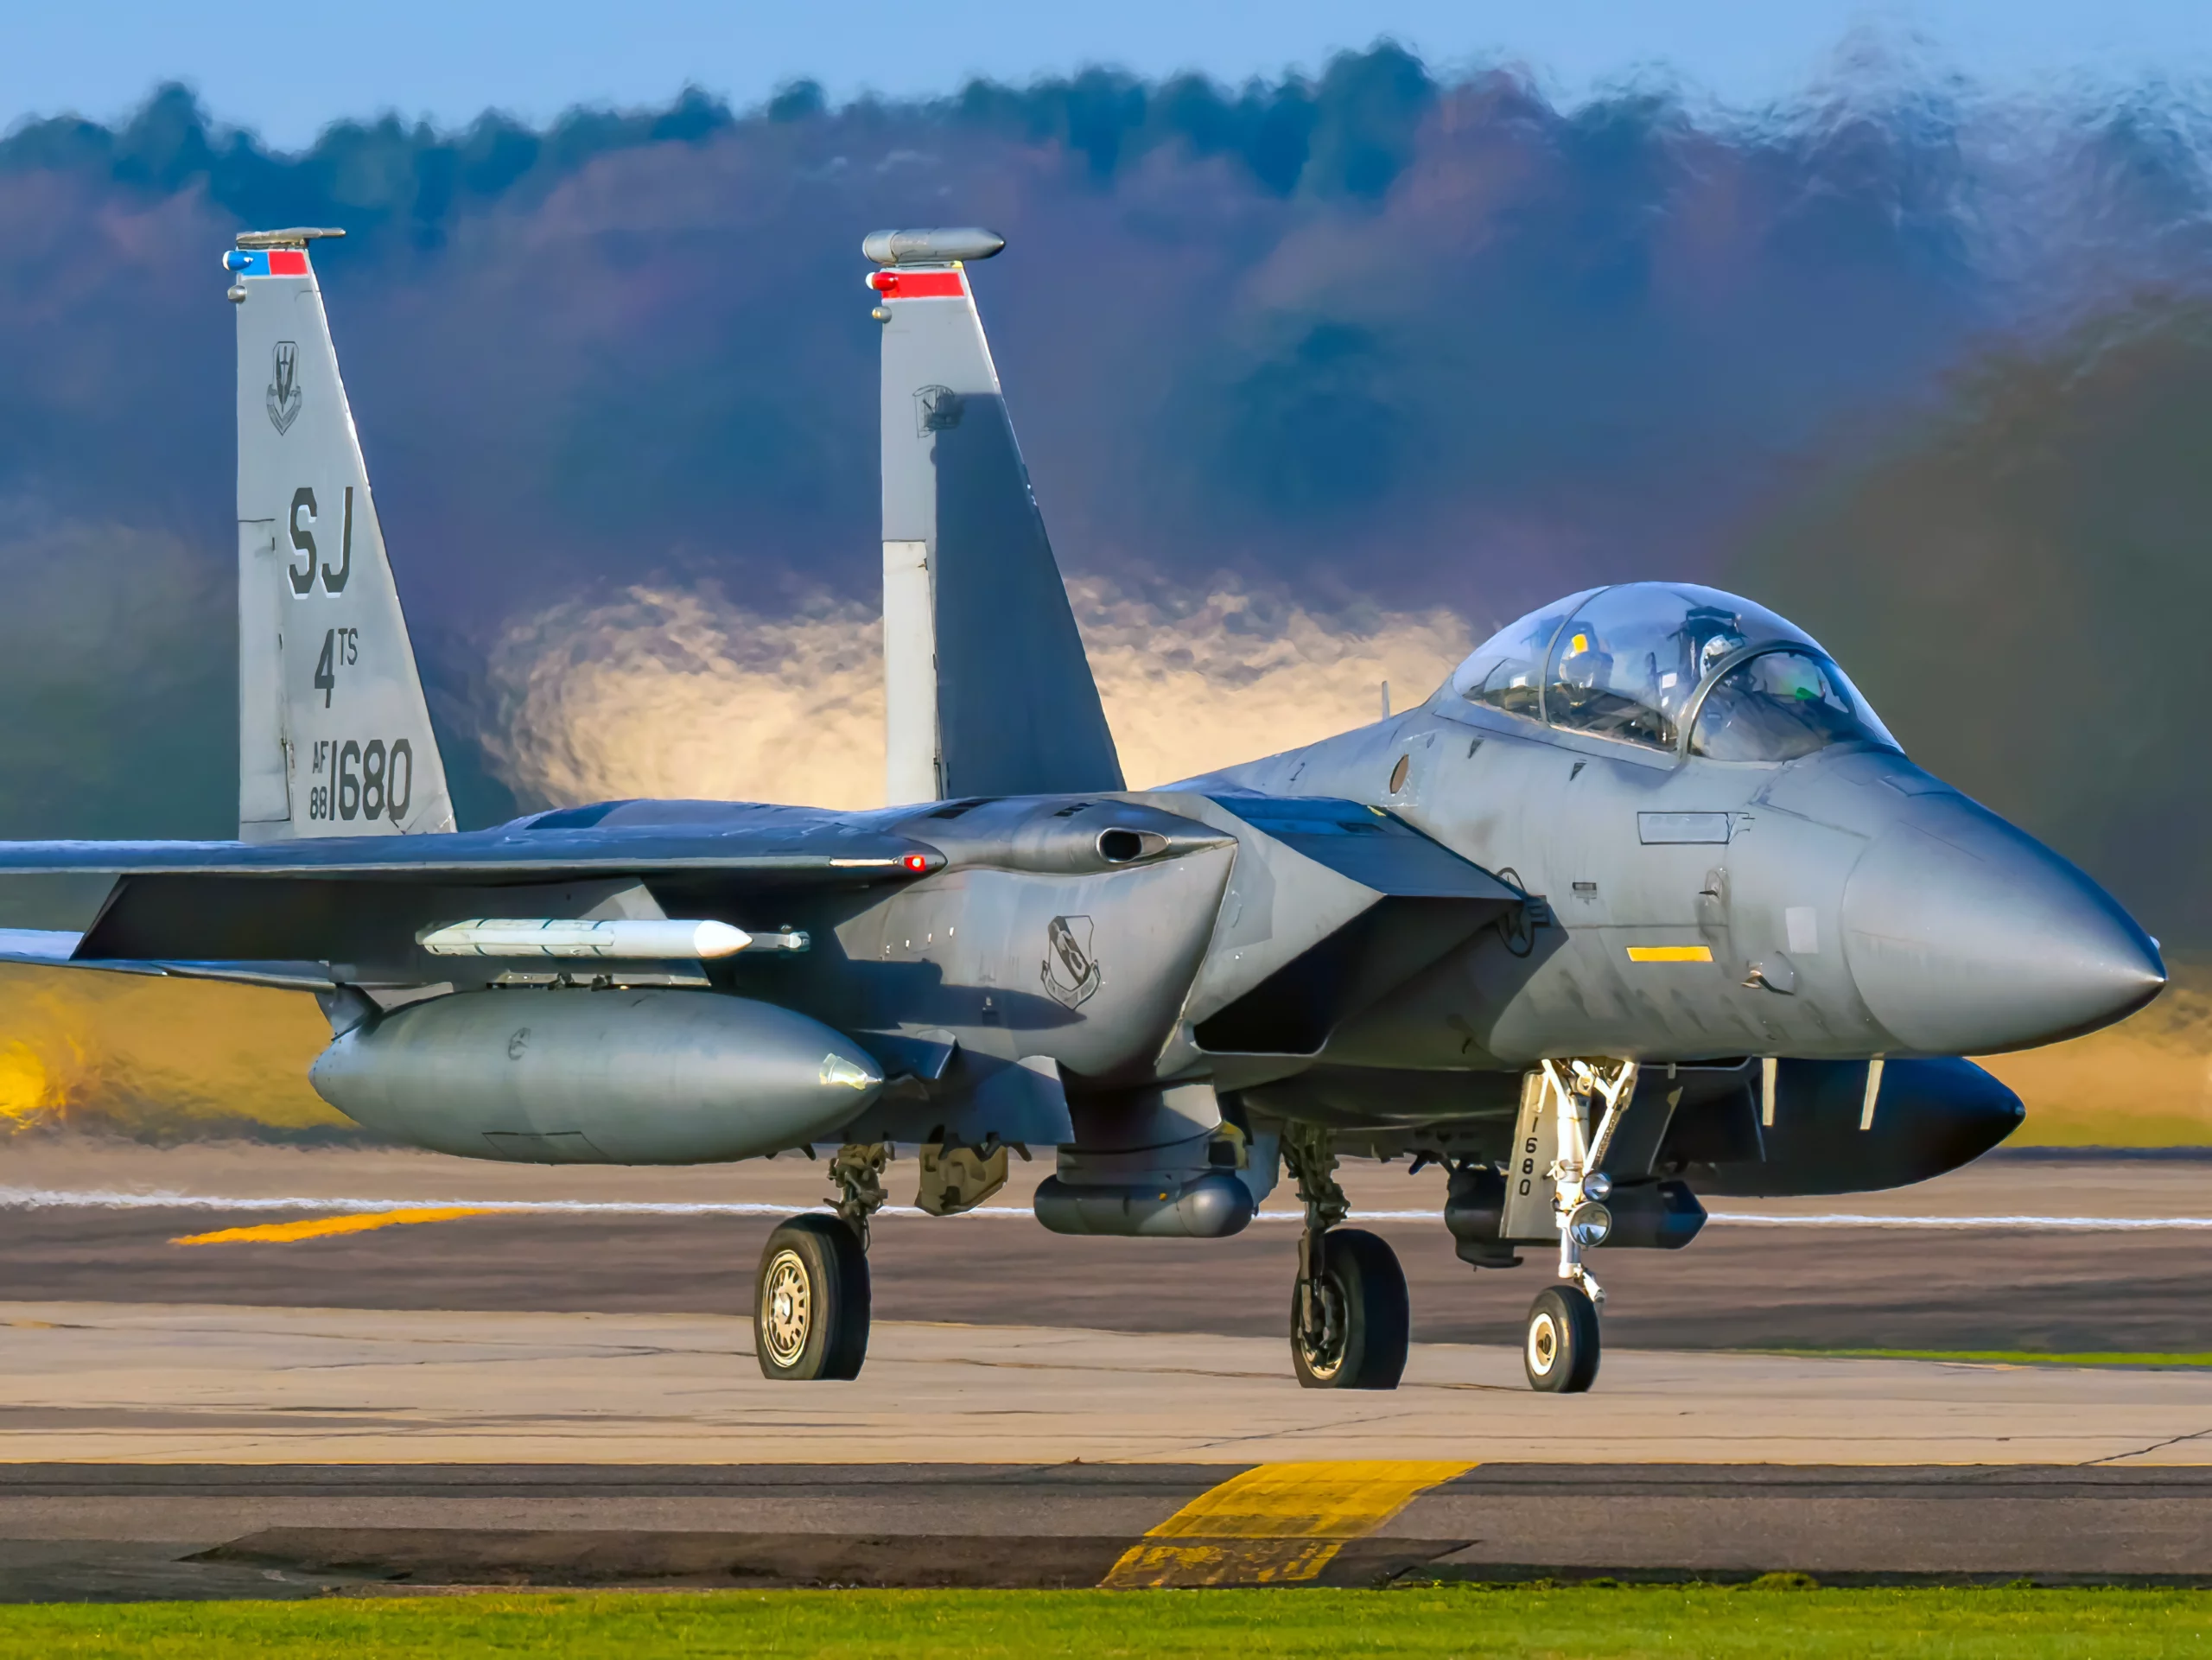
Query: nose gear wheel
[[1561, 1352]]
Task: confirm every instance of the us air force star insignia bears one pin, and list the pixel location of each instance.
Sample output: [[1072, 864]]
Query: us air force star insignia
[[1070, 973], [284, 398]]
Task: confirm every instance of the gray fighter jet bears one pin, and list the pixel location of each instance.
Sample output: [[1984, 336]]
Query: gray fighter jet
[[1644, 902]]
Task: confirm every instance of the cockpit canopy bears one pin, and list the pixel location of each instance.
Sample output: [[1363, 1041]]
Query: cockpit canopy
[[1642, 662]]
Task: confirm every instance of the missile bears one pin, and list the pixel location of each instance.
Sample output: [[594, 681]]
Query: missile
[[650, 939]]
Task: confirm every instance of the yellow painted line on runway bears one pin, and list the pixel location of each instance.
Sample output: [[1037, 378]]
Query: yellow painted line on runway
[[320, 1227], [1276, 1523]]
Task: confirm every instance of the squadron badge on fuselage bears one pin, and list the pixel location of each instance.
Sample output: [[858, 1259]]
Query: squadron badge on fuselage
[[1070, 973], [284, 397]]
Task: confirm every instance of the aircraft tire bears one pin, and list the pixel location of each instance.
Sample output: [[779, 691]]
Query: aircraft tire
[[811, 1301], [1368, 1322], [1561, 1352]]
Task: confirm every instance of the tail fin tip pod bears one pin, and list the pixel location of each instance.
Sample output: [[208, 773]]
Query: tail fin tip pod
[[334, 736], [932, 247], [988, 690]]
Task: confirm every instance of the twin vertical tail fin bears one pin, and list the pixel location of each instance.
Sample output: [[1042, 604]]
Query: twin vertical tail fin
[[987, 688], [334, 734]]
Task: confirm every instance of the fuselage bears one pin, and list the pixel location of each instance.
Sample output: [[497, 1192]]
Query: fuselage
[[1841, 905], [1729, 870], [1836, 906]]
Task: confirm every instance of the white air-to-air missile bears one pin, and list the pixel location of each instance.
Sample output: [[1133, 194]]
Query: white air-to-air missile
[[1642, 902]]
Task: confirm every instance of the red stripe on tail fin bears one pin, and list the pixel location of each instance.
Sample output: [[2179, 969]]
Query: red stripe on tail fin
[[918, 284]]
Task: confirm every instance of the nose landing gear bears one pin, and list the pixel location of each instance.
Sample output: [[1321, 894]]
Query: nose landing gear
[[1350, 1322], [1562, 1346]]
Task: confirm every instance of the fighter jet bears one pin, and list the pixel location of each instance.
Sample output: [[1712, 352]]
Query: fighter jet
[[1642, 903]]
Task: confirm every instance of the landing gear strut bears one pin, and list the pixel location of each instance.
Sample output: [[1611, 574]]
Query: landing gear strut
[[1349, 1320], [810, 1296], [1562, 1348], [857, 1169]]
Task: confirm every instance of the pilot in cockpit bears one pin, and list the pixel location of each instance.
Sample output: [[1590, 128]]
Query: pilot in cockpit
[[1638, 663]]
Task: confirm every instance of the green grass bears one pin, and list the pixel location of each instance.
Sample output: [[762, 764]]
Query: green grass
[[1099, 1625], [2006, 1356]]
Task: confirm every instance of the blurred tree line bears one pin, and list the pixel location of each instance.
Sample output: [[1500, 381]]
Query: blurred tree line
[[1929, 372], [1346, 133]]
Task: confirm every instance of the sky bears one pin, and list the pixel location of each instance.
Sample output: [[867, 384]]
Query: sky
[[286, 70]]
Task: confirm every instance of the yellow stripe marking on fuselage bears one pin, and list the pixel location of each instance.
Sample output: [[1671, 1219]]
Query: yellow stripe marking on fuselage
[[320, 1227], [1275, 1524], [1670, 953]]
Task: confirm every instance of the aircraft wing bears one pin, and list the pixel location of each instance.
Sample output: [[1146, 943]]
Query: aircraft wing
[[792, 846], [56, 948], [281, 912]]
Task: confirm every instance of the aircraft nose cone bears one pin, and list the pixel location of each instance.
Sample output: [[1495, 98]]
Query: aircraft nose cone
[[1966, 936]]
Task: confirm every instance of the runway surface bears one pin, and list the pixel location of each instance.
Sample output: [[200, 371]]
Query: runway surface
[[567, 1395], [2125, 1287], [172, 1382]]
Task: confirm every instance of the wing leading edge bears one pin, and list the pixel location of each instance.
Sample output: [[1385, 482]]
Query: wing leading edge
[[280, 912]]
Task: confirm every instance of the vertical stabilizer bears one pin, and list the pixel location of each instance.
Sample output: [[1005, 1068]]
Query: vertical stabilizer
[[334, 736], [987, 688]]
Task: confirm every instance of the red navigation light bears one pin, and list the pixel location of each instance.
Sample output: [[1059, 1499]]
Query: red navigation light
[[916, 861]]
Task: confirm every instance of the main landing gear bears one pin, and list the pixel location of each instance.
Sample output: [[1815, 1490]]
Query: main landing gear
[[1349, 1325], [810, 1296]]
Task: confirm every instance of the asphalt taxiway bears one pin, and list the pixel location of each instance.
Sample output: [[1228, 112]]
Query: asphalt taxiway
[[196, 1530], [565, 1393], [2092, 1255]]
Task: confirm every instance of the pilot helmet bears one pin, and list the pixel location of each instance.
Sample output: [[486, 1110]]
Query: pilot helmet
[[1716, 647]]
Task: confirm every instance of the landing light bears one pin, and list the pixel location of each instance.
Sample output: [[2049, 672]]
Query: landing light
[[1591, 1224]]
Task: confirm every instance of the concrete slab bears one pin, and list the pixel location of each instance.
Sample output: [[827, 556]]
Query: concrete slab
[[227, 1384]]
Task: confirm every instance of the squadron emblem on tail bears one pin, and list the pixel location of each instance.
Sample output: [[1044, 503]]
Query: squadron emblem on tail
[[937, 408], [284, 397]]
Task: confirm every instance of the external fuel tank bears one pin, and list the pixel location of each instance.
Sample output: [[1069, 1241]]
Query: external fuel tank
[[558, 1076]]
